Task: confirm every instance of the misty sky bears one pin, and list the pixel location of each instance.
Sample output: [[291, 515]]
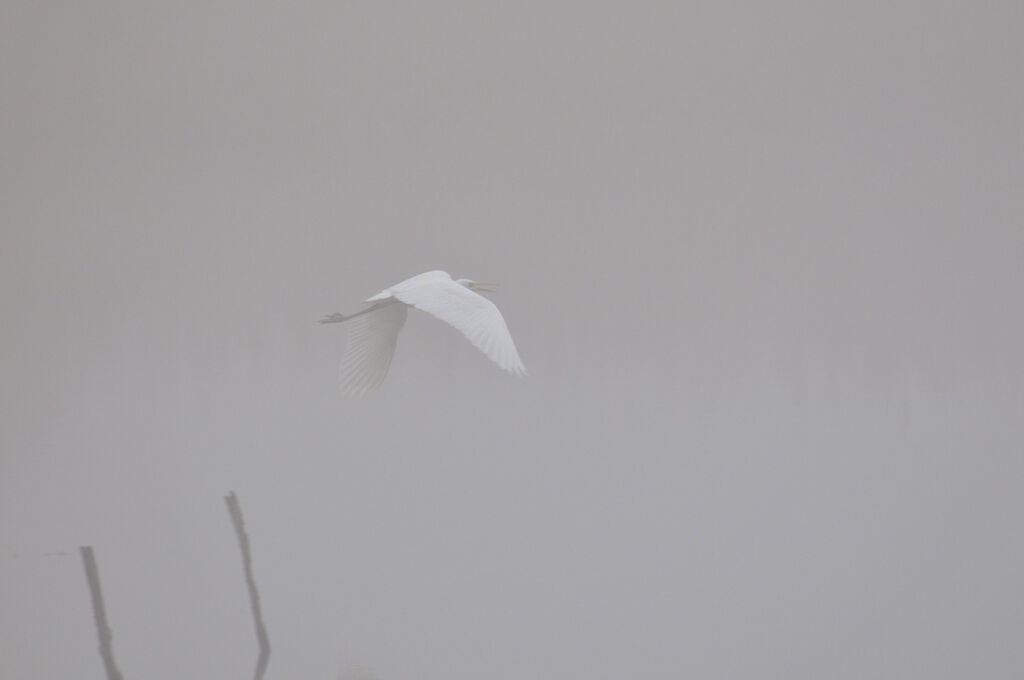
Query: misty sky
[[763, 262]]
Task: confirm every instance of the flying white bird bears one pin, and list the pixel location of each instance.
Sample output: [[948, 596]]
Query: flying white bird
[[373, 332]]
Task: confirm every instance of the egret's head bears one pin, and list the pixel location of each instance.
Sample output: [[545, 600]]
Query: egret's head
[[485, 286]]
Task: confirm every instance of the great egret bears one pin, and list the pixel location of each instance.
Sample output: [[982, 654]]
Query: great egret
[[373, 332]]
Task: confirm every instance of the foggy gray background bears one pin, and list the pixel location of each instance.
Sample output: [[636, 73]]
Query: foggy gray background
[[763, 262]]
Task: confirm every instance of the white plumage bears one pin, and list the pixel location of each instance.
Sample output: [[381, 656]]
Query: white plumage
[[373, 332]]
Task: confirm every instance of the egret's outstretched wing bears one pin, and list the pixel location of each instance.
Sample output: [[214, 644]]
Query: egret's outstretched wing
[[369, 346], [471, 313]]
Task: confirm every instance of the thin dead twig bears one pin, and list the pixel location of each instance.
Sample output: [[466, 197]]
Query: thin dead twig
[[235, 510], [106, 636]]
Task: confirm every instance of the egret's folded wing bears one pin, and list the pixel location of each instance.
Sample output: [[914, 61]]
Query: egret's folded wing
[[471, 313], [369, 346]]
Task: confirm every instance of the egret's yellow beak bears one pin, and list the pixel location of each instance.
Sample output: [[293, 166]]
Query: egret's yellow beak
[[485, 286]]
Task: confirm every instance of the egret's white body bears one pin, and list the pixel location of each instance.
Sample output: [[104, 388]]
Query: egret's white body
[[373, 332]]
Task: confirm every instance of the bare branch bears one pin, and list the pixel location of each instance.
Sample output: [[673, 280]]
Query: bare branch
[[106, 636], [235, 510]]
